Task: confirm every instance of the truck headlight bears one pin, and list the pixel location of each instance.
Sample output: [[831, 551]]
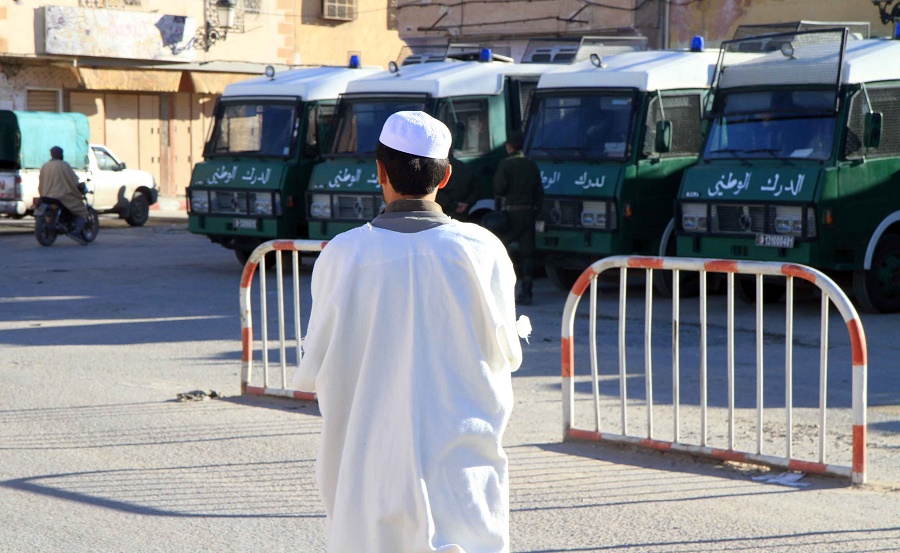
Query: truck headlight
[[262, 203], [200, 201], [599, 215], [320, 206], [789, 218], [693, 218]]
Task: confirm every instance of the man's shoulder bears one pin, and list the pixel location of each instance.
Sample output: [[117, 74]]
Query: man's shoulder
[[473, 234]]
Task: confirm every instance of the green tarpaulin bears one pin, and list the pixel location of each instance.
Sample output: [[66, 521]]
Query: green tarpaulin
[[27, 136]]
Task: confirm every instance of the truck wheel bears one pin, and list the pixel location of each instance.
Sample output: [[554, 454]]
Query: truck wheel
[[138, 210], [91, 225], [877, 290], [44, 231], [745, 289], [563, 279], [244, 255], [688, 281]]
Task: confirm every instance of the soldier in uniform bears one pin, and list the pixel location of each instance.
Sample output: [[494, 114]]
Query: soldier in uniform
[[518, 186]]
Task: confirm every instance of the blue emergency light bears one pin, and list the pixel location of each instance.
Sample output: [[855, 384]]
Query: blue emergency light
[[697, 44], [354, 61], [485, 55]]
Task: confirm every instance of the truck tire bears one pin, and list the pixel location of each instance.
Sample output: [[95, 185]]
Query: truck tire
[[688, 282], [877, 290], [745, 289], [563, 279], [138, 210]]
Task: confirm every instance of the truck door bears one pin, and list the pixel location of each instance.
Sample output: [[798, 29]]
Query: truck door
[[103, 182], [470, 125], [659, 173], [869, 178], [521, 91]]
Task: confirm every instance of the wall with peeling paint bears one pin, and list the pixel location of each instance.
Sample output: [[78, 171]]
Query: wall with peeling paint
[[717, 19], [442, 21]]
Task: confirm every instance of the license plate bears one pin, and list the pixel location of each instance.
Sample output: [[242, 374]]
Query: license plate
[[244, 224], [774, 241]]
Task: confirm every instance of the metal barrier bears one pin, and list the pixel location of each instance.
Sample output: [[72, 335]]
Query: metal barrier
[[279, 388], [830, 293]]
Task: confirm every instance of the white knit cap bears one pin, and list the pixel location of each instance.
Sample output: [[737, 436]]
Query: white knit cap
[[416, 133]]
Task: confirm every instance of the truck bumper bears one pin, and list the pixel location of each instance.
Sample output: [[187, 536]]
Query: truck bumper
[[12, 207]]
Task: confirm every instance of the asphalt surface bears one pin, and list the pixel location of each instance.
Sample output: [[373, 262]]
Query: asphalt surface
[[97, 454]]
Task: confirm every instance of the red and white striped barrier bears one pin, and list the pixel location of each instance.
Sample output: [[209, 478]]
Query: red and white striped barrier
[[831, 293], [280, 386]]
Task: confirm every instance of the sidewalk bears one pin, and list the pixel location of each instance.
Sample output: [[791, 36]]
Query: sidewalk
[[169, 206]]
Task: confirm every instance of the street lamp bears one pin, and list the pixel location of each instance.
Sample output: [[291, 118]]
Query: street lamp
[[892, 16], [218, 30]]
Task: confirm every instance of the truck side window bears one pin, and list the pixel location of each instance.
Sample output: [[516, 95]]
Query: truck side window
[[886, 101], [684, 113], [469, 124], [104, 161]]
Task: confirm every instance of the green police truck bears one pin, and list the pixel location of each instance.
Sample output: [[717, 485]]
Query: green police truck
[[479, 95], [252, 182], [802, 161], [612, 138]]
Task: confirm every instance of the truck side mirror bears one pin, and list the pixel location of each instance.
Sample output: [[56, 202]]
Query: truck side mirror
[[121, 166], [663, 136], [874, 128]]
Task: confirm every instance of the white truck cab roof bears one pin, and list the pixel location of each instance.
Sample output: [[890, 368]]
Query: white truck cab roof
[[871, 60], [646, 71], [448, 78], [313, 83]]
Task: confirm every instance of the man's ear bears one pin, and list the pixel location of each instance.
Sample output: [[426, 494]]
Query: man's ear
[[446, 179], [382, 173]]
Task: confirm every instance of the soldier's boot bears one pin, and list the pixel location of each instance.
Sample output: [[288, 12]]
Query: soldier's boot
[[524, 297]]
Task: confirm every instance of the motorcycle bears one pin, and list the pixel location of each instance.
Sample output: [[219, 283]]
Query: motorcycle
[[52, 219]]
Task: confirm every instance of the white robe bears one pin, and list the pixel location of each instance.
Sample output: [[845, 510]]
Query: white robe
[[410, 346]]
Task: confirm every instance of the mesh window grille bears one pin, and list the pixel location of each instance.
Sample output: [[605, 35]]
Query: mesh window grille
[[790, 58], [684, 113], [886, 101], [344, 10]]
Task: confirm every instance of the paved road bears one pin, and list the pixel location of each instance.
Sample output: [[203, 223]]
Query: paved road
[[96, 454]]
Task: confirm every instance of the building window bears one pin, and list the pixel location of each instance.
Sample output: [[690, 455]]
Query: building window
[[118, 4], [252, 6], [42, 100], [344, 10]]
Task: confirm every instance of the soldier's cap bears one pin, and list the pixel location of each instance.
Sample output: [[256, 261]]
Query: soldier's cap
[[416, 133]]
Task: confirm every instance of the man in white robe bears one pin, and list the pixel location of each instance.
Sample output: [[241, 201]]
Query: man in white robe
[[410, 347]]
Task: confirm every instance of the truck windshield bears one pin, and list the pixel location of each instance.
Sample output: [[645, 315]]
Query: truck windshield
[[589, 126], [359, 121], [255, 128], [773, 124]]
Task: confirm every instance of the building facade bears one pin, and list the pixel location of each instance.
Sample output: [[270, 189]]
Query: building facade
[[509, 23], [147, 72]]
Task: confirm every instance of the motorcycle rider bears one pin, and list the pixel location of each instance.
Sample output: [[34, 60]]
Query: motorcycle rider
[[58, 181]]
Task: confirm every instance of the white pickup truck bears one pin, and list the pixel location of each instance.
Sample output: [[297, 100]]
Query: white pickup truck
[[113, 188], [117, 189]]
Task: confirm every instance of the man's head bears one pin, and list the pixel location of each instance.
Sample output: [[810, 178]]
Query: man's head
[[412, 154], [56, 152], [514, 141]]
